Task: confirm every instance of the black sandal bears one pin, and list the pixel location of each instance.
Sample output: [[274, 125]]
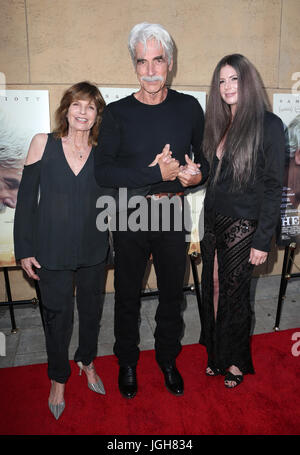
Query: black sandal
[[237, 378], [214, 371]]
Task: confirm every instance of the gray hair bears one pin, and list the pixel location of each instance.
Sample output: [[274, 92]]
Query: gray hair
[[13, 147], [294, 136], [141, 33]]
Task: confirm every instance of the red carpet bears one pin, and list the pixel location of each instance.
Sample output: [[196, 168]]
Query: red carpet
[[267, 403]]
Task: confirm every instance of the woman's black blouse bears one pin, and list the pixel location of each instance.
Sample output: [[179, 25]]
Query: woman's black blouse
[[262, 197], [55, 218]]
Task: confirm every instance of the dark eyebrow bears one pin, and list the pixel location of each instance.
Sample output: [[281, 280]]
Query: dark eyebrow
[[12, 183], [159, 57]]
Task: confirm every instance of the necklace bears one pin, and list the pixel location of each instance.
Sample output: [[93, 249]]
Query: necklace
[[79, 154]]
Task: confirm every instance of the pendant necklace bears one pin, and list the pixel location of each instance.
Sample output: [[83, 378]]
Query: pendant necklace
[[79, 153]]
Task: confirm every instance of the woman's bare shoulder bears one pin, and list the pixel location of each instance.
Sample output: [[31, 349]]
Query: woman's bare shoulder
[[36, 148]]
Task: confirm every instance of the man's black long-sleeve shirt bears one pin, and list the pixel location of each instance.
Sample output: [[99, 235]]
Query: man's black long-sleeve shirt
[[133, 133]]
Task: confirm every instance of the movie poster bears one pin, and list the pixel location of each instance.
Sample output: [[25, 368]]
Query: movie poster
[[196, 197], [287, 107], [23, 113]]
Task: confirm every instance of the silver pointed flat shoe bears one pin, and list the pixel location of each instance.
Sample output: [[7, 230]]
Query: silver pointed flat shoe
[[57, 409], [97, 387]]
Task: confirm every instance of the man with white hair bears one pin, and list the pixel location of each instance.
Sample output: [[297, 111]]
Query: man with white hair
[[12, 157], [144, 145]]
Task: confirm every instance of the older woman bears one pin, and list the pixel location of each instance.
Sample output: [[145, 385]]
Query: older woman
[[244, 144], [56, 238]]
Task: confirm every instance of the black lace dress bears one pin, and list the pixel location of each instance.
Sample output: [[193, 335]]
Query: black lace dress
[[227, 337]]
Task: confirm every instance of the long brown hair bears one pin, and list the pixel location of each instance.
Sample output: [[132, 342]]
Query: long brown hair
[[244, 132], [80, 91]]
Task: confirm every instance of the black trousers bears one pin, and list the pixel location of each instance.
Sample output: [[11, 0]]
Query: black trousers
[[57, 292], [132, 252]]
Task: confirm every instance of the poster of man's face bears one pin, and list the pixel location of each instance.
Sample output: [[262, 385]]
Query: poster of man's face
[[9, 184], [288, 108], [12, 157], [23, 113], [292, 171]]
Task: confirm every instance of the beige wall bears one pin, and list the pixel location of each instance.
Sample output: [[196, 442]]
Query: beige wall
[[51, 44]]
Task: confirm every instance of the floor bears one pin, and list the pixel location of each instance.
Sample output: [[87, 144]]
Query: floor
[[27, 345]]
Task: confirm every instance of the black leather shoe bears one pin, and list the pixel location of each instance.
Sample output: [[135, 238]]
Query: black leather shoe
[[127, 381], [173, 379]]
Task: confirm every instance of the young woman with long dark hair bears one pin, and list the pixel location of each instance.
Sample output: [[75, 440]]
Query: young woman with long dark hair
[[244, 143]]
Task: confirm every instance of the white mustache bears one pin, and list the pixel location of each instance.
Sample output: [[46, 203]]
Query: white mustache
[[152, 78]]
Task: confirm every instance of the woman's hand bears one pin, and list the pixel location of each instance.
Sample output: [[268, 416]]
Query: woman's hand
[[27, 264], [257, 257], [190, 174]]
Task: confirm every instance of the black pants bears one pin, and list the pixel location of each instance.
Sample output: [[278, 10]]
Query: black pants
[[132, 252], [57, 292]]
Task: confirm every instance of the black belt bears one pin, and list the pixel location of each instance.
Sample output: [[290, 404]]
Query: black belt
[[169, 195]]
